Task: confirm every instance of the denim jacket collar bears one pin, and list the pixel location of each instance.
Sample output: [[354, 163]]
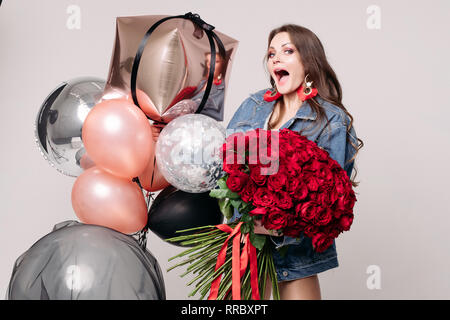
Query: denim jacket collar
[[265, 108]]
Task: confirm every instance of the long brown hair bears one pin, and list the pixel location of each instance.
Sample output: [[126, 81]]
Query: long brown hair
[[316, 66]]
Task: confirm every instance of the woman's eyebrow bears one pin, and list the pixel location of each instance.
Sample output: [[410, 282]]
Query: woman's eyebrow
[[281, 45]]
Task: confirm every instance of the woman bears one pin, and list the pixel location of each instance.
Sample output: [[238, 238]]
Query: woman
[[305, 97]]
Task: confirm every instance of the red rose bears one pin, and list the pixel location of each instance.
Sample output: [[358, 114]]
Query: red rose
[[310, 230], [236, 181], [284, 200], [325, 173], [302, 155], [315, 165], [256, 176], [292, 185], [232, 168], [346, 201], [321, 242], [308, 211], [292, 172], [259, 211], [275, 219], [345, 222], [292, 231], [295, 162], [264, 198], [277, 181], [324, 218], [301, 192], [312, 182], [324, 198], [248, 191], [322, 154]]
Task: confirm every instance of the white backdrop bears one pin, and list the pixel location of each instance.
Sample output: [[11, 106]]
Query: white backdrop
[[391, 59]]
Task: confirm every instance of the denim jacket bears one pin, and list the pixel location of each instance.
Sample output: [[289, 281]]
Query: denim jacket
[[255, 111]]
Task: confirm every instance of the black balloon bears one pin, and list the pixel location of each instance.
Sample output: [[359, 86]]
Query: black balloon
[[174, 210], [79, 261]]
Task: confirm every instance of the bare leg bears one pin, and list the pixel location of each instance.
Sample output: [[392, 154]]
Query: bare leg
[[301, 289]]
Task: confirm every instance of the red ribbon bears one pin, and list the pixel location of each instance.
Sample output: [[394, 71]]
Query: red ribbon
[[239, 263]]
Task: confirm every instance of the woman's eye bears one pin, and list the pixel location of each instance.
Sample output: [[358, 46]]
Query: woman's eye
[[271, 55], [289, 51]]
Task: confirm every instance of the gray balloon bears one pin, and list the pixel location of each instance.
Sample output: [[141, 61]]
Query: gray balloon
[[60, 119], [188, 152], [78, 261]]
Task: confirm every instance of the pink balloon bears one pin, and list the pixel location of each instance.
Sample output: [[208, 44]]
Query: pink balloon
[[159, 182], [146, 104], [103, 199], [118, 137]]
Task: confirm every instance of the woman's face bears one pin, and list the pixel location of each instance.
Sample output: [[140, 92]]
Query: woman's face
[[284, 64]]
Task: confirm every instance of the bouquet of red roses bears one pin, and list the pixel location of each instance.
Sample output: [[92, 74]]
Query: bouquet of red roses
[[292, 186]]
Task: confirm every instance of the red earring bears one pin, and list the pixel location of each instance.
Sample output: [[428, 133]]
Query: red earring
[[271, 95], [308, 92], [218, 81]]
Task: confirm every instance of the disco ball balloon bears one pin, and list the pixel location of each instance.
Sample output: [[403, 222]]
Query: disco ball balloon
[[188, 152]]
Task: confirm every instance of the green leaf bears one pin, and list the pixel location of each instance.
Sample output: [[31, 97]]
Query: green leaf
[[232, 195], [222, 182], [246, 217], [246, 207], [226, 208], [245, 228], [218, 193], [236, 203], [258, 240]]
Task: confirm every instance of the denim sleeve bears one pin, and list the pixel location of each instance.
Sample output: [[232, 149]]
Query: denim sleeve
[[334, 142], [241, 114]]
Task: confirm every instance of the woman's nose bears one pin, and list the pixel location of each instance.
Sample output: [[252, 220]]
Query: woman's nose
[[276, 58]]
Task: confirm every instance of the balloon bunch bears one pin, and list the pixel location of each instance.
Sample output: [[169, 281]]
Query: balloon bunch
[[118, 139], [102, 132]]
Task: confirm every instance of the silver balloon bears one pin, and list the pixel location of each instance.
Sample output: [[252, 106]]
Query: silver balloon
[[60, 119], [78, 261], [188, 152]]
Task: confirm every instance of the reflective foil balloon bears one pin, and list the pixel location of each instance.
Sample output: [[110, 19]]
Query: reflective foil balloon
[[188, 152], [175, 210], [60, 119], [101, 198], [173, 67], [85, 262]]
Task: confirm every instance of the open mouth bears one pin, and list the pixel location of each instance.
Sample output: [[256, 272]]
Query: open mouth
[[281, 75]]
